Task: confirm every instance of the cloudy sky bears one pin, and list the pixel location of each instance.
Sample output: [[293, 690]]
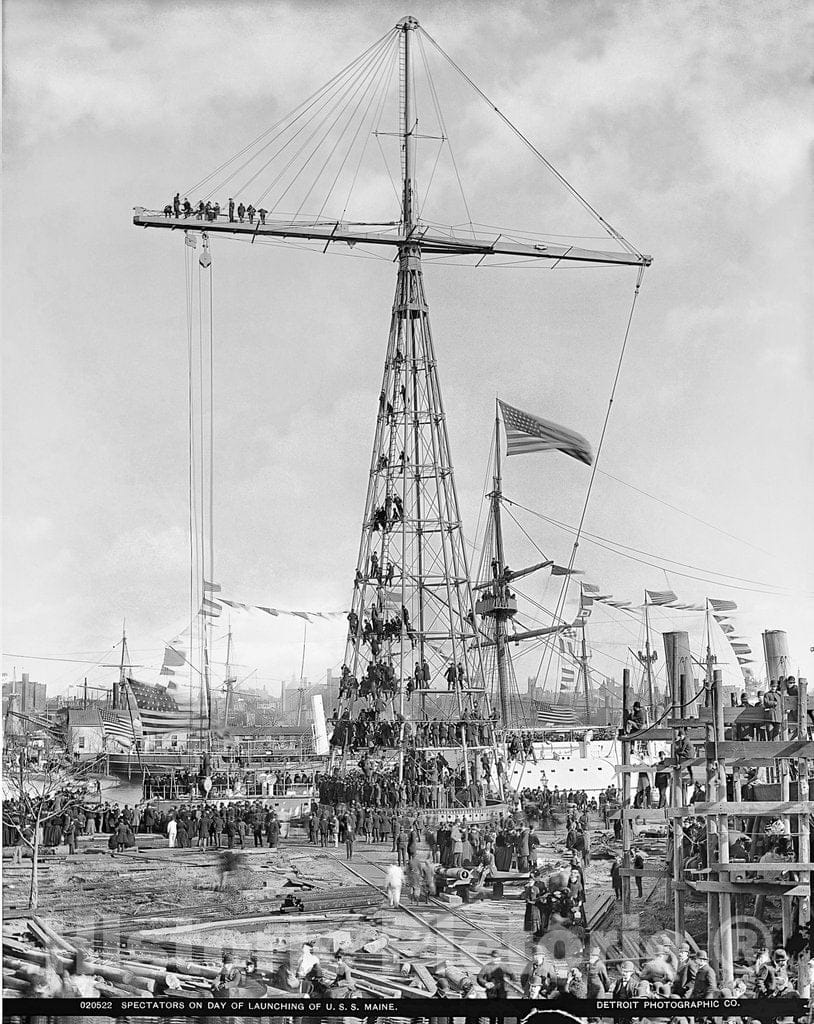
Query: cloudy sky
[[687, 125]]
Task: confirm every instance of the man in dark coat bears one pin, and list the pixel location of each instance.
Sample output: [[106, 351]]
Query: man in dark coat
[[685, 975], [705, 983], [493, 977]]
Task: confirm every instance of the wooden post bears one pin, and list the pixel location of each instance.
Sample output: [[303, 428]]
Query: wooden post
[[625, 797], [783, 767], [713, 909], [804, 839], [678, 825], [726, 964]]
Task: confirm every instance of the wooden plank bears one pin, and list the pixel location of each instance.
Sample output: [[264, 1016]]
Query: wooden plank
[[740, 715], [668, 764], [751, 749], [771, 867], [647, 734], [645, 813], [645, 872], [761, 888], [742, 808]]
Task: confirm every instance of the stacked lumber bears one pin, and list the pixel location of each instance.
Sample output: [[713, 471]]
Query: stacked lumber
[[25, 965]]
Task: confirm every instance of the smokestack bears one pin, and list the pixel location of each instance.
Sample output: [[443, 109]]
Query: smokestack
[[679, 666], [776, 653]]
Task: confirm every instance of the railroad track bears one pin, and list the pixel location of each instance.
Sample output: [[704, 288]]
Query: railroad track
[[472, 925]]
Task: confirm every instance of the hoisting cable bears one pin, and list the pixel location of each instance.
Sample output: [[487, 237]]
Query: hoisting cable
[[561, 600], [376, 82], [375, 121], [320, 101], [302, 108], [337, 100], [368, 86], [530, 145], [613, 546], [442, 123]]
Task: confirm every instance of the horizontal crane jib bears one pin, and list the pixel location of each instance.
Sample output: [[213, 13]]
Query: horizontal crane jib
[[384, 234]]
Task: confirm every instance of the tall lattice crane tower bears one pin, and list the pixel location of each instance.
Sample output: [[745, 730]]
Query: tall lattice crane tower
[[413, 617]]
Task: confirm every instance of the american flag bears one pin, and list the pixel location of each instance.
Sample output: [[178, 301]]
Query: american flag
[[567, 675], [161, 714], [116, 725], [527, 433], [557, 715]]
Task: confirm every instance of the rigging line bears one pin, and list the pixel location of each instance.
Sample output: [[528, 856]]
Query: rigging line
[[387, 167], [375, 121], [563, 181], [420, 202], [591, 538], [337, 102], [210, 272], [323, 102], [73, 661], [364, 86], [689, 515], [305, 105], [650, 554], [191, 430], [483, 492], [303, 247], [387, 61], [595, 466], [520, 234], [341, 104], [444, 131]]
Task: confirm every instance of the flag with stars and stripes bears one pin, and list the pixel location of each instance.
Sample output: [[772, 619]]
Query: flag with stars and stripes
[[557, 715], [116, 725], [526, 433]]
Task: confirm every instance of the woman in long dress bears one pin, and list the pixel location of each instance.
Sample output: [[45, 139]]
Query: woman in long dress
[[467, 853], [532, 921]]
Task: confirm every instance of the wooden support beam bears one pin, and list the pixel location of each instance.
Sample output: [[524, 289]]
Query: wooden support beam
[[762, 888], [668, 764], [645, 813], [770, 867], [647, 734], [625, 799], [644, 873], [751, 762], [743, 808], [677, 797], [758, 715], [804, 827], [748, 750], [729, 940]]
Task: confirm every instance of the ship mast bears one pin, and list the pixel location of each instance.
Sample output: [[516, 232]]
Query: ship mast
[[498, 603], [647, 658], [228, 680], [118, 689], [585, 677]]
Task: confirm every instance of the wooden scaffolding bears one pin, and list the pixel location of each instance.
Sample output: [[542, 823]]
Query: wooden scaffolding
[[729, 883]]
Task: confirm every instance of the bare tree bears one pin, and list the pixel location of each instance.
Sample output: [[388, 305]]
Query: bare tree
[[41, 801]]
